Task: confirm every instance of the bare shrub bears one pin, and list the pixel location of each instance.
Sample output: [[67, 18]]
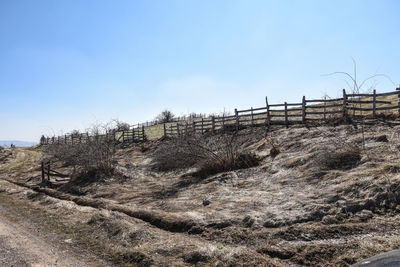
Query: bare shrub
[[343, 159], [274, 151], [75, 133], [92, 157], [242, 160], [209, 154], [42, 139], [120, 125], [165, 116]]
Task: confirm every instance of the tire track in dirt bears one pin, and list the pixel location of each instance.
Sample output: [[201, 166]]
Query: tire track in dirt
[[173, 226], [20, 247], [160, 220]]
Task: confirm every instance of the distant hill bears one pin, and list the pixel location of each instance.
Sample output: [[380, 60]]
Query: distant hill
[[7, 143]]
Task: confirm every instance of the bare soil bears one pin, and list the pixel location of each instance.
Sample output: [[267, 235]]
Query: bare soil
[[295, 209], [22, 244]]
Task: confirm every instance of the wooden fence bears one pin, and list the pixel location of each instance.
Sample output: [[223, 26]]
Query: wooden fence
[[175, 119], [302, 112], [47, 172], [133, 135], [321, 110]]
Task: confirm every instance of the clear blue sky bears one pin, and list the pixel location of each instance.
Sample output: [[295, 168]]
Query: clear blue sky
[[67, 64]]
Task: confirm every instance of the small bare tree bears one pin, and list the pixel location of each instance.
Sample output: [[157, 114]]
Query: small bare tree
[[120, 125], [356, 87], [165, 116]]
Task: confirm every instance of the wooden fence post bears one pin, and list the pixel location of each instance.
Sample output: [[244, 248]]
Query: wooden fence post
[[202, 125], [303, 110], [223, 122], [344, 103], [268, 117], [43, 177], [177, 128], [212, 124], [194, 126], [324, 107], [398, 89], [48, 171], [373, 104], [286, 116], [237, 120], [143, 134], [65, 141], [165, 131], [252, 117]]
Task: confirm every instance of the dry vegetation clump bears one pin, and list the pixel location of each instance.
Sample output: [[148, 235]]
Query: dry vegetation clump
[[274, 151], [90, 159], [341, 159], [210, 155], [228, 162], [4, 154]]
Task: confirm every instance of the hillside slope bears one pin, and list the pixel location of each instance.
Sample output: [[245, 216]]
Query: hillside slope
[[330, 197]]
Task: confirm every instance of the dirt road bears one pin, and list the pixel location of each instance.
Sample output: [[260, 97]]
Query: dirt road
[[20, 247]]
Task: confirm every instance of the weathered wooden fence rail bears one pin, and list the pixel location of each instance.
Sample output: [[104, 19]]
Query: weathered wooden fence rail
[[302, 112], [350, 105], [47, 172], [133, 135]]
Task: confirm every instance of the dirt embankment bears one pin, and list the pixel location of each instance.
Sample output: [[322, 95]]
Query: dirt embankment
[[330, 197]]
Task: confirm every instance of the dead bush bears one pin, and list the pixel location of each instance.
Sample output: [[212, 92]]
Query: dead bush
[[227, 163], [382, 138], [210, 155], [177, 153], [165, 116], [343, 159], [90, 159]]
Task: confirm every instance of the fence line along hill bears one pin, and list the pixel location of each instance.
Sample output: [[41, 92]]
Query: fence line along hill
[[307, 111]]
